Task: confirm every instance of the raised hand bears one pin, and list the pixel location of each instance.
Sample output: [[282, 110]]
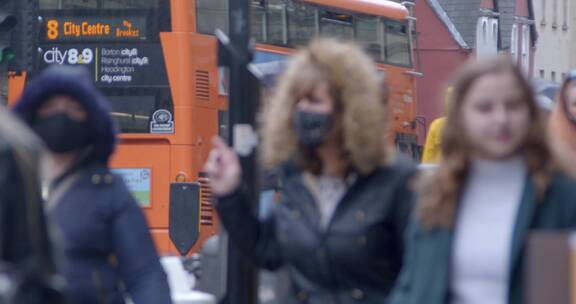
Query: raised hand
[[223, 168]]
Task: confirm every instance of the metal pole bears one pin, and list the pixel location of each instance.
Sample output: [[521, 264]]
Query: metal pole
[[236, 53]]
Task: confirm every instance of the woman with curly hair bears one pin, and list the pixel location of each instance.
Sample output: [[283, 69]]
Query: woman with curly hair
[[494, 187], [344, 200]]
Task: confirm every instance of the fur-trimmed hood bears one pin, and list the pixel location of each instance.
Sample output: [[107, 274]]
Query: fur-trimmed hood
[[357, 90], [73, 82]]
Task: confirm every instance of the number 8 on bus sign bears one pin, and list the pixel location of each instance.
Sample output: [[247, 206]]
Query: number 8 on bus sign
[[52, 30]]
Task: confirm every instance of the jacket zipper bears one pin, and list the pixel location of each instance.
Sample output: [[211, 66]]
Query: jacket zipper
[[97, 279]]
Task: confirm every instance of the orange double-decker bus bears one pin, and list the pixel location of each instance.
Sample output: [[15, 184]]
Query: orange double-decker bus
[[156, 61]]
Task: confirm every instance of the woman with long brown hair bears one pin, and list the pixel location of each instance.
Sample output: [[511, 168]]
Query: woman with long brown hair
[[494, 186], [338, 227]]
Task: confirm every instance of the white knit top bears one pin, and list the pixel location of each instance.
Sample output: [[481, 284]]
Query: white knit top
[[483, 232]]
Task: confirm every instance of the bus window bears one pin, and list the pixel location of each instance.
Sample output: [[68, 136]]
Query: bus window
[[49, 4], [133, 110], [302, 23], [211, 15], [398, 43], [68, 4], [276, 17], [129, 4], [132, 113], [369, 33], [97, 4], [258, 20], [339, 25]]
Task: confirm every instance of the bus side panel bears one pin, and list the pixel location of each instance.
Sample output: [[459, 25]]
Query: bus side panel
[[206, 126], [401, 103], [206, 102], [177, 55], [205, 122], [204, 63], [402, 109], [183, 15], [193, 74]]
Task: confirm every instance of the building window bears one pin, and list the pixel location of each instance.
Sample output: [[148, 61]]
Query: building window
[[542, 74], [565, 13], [486, 37], [555, 15], [484, 31], [543, 9], [495, 32], [526, 47], [553, 76], [514, 43], [481, 36]]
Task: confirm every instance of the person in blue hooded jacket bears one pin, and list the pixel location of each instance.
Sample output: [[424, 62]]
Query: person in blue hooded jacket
[[105, 240]]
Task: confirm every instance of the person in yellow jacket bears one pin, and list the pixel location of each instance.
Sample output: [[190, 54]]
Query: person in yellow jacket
[[432, 147]]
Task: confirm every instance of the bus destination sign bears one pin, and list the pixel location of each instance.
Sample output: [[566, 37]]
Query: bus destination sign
[[74, 29]]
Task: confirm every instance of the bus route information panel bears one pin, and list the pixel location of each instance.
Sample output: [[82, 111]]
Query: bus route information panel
[[124, 65]]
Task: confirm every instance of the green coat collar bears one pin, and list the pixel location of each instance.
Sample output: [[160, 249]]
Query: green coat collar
[[523, 222]]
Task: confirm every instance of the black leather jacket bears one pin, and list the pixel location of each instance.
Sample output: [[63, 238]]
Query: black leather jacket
[[356, 259]]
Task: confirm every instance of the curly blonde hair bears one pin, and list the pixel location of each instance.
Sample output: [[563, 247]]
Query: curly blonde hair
[[356, 89]]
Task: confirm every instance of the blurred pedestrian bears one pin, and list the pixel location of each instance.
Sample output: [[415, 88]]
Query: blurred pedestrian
[[432, 148], [344, 198], [269, 186], [562, 125], [495, 185], [105, 238], [27, 264], [269, 181]]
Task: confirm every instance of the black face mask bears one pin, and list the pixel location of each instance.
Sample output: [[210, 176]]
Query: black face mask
[[312, 128], [61, 133]]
